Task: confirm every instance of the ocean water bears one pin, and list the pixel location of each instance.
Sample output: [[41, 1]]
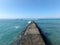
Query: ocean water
[[10, 29], [51, 29]]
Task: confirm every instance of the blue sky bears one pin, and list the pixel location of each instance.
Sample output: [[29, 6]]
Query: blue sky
[[29, 9]]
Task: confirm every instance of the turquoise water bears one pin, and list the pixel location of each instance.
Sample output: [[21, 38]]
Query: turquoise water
[[10, 29], [51, 29]]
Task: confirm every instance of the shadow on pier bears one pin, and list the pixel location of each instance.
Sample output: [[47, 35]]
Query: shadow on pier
[[46, 40]]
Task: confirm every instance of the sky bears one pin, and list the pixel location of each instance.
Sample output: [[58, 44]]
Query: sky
[[12, 9]]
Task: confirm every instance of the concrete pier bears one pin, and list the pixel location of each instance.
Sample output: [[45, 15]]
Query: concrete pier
[[31, 36]]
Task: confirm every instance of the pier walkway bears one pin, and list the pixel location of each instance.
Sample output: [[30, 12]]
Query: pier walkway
[[31, 36]]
